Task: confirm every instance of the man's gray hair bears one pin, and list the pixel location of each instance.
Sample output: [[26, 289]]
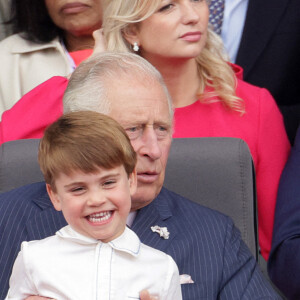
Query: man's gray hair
[[89, 83]]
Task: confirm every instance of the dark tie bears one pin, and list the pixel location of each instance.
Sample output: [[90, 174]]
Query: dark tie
[[216, 10]]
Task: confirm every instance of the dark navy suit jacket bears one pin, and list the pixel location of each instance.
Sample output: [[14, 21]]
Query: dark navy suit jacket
[[269, 54], [203, 242], [284, 261]]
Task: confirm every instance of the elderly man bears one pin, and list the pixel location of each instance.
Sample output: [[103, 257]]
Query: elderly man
[[204, 243]]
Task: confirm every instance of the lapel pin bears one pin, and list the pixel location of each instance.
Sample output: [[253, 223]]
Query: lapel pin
[[185, 278], [162, 231]]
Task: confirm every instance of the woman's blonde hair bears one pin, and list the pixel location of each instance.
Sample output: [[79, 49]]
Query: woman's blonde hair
[[213, 68]]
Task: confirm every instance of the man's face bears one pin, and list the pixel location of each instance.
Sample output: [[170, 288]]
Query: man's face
[[141, 107]]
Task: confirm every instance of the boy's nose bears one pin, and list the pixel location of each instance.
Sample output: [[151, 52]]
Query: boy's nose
[[96, 199]]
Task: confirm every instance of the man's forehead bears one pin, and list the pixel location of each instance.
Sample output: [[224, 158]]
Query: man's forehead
[[140, 101], [148, 114]]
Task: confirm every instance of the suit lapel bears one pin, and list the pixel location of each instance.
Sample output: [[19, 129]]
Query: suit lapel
[[263, 16], [158, 213]]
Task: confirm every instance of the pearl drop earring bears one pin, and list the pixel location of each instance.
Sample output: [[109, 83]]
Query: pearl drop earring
[[136, 47]]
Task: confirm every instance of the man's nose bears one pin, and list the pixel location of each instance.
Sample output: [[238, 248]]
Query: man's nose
[[151, 146]]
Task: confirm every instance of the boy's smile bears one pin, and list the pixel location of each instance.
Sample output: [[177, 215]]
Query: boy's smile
[[100, 218], [95, 204]]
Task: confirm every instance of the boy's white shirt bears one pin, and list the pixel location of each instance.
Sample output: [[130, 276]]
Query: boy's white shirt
[[69, 265]]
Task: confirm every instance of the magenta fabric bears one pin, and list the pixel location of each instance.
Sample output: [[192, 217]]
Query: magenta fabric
[[37, 109]]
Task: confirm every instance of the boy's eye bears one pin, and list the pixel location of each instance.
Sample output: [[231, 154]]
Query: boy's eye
[[109, 183], [77, 190]]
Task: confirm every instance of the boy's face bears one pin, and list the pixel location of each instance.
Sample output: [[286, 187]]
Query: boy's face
[[95, 204]]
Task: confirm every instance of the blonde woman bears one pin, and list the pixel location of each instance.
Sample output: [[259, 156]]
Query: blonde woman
[[209, 97]]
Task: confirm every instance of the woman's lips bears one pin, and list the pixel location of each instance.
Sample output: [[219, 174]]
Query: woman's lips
[[191, 36], [74, 8]]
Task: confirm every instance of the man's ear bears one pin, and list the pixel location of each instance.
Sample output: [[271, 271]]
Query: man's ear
[[133, 182], [53, 197], [130, 33]]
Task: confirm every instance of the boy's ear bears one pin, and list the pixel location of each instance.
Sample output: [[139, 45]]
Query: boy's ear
[[131, 35], [133, 182], [53, 197]]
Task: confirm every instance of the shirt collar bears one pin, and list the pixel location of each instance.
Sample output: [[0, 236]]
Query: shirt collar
[[127, 242], [130, 218], [25, 46]]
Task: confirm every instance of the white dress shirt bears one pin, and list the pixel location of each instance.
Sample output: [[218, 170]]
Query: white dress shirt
[[69, 265], [233, 25]]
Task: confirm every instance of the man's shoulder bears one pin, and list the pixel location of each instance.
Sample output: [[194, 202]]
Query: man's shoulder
[[182, 207], [29, 194]]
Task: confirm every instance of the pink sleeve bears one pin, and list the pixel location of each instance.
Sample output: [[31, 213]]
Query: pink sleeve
[[37, 109], [273, 150]]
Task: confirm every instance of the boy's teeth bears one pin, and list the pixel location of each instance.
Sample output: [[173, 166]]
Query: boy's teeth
[[99, 217]]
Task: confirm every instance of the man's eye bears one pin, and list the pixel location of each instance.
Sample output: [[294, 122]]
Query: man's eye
[[161, 128], [132, 129], [162, 131], [134, 132]]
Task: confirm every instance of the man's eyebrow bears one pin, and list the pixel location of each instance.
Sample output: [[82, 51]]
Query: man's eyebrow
[[163, 123], [132, 122]]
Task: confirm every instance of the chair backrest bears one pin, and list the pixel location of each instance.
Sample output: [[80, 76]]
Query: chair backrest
[[18, 164], [215, 172]]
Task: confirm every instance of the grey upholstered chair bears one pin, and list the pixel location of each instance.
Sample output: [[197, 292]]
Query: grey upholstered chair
[[18, 164], [216, 172]]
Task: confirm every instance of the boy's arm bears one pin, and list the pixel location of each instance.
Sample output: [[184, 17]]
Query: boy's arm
[[172, 286], [20, 282]]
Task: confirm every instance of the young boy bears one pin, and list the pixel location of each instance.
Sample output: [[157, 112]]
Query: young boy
[[89, 168]]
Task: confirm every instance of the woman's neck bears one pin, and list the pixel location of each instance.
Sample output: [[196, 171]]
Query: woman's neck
[[75, 43], [182, 80]]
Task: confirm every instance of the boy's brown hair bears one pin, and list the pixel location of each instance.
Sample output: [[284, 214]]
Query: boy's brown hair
[[84, 141]]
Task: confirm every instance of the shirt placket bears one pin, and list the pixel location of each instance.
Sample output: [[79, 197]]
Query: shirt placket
[[104, 255]]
